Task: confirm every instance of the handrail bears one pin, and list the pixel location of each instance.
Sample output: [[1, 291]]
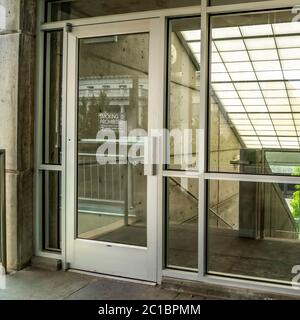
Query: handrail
[[219, 217], [2, 211], [195, 198]]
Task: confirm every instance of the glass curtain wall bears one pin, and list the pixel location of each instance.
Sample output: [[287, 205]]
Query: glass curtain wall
[[254, 128], [52, 140], [182, 123]]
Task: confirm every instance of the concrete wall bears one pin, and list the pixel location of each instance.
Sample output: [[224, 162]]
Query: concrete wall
[[224, 147], [17, 48]]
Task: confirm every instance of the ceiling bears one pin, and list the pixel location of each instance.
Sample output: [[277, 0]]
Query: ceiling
[[255, 76]]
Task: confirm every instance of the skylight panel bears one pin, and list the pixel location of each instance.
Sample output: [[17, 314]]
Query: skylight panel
[[247, 133], [257, 30], [234, 109], [235, 56], [228, 32], [266, 133], [195, 47], [250, 94], [296, 108], [243, 127], [192, 35], [279, 85], [286, 28], [277, 101], [231, 102], [259, 116], [213, 48], [287, 135], [216, 57], [242, 76], [285, 128], [256, 108], [250, 139], [295, 101], [267, 65], [253, 145], [283, 122], [269, 75], [290, 65], [230, 45], [269, 139], [239, 66], [263, 55], [274, 93], [259, 122], [281, 115], [291, 74], [270, 144], [292, 53], [247, 86], [294, 93], [288, 42], [238, 115], [254, 102], [293, 84], [227, 94], [223, 86], [218, 67], [220, 77], [260, 43], [241, 122], [286, 139], [285, 108]]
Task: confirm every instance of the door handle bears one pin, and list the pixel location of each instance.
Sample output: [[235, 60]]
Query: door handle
[[151, 156]]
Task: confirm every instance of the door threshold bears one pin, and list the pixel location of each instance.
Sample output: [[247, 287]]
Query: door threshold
[[106, 276]]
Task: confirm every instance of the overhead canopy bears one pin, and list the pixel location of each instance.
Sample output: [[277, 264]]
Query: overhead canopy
[[255, 75]]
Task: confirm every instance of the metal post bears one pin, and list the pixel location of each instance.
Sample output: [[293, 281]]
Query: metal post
[[2, 211]]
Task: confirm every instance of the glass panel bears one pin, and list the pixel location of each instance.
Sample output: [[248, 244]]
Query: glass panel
[[184, 95], [222, 2], [244, 220], [182, 226], [63, 10], [254, 94], [113, 101], [52, 209], [53, 99]]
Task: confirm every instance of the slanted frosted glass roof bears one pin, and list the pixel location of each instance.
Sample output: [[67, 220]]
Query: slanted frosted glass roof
[[255, 76]]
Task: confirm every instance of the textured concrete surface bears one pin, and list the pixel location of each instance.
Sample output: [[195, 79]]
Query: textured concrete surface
[[223, 292], [17, 61], [36, 284]]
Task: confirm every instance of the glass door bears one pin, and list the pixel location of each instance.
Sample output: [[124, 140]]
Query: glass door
[[111, 197]]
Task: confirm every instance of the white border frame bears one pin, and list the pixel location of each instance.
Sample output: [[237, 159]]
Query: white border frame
[[205, 11]]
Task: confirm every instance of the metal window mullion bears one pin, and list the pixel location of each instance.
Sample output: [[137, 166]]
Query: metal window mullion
[[202, 143], [251, 6]]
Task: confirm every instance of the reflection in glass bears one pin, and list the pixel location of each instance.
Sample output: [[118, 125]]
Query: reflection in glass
[[52, 209], [65, 10], [113, 88], [182, 223], [184, 96], [255, 103], [53, 98], [244, 220]]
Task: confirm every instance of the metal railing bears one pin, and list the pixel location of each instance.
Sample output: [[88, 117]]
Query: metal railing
[[2, 211]]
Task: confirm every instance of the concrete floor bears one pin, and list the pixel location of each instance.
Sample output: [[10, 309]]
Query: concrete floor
[[34, 284]]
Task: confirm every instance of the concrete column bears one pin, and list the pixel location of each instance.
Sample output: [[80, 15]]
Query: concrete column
[[17, 50]]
